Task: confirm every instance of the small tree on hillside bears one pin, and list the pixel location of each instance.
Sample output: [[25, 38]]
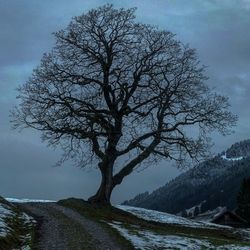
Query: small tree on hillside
[[243, 200], [120, 92]]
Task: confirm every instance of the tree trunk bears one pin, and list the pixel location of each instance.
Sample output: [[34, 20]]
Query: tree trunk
[[102, 196]]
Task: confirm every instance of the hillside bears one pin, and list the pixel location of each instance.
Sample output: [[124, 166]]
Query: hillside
[[212, 183], [146, 229], [75, 224], [148, 239], [16, 227]]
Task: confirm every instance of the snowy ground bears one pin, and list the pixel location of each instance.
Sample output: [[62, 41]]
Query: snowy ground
[[24, 200], [157, 216], [5, 212], [147, 240], [8, 214]]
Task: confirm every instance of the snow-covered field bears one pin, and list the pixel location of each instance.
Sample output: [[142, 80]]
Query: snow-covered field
[[147, 239], [8, 214], [157, 216]]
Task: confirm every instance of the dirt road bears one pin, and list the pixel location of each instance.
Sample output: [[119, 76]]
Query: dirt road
[[61, 228]]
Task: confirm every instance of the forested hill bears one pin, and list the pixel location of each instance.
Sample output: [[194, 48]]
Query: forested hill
[[212, 183]]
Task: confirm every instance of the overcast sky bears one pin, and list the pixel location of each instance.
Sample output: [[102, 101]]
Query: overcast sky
[[218, 29]]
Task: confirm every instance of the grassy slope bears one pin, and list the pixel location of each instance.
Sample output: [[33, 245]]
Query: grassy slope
[[104, 215], [100, 215], [19, 229]]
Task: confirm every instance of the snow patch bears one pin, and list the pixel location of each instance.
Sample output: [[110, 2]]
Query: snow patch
[[4, 213], [8, 212], [14, 200], [224, 157], [192, 209], [152, 215], [157, 216], [147, 240]]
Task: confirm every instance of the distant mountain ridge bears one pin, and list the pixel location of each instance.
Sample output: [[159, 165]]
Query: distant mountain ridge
[[215, 181]]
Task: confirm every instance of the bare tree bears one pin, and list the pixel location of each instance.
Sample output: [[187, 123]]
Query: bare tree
[[115, 91]]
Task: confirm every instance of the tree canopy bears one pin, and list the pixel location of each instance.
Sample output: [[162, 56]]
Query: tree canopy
[[121, 92]]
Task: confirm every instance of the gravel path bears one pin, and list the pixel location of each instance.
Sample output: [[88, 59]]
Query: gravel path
[[64, 229]]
